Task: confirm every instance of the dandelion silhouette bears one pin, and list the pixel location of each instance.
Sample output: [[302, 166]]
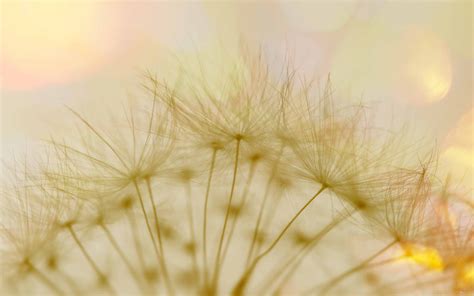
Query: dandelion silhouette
[[202, 189]]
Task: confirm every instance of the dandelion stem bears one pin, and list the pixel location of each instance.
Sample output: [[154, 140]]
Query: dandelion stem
[[240, 286], [262, 208], [295, 260], [89, 259], [120, 252], [411, 282], [136, 239], [248, 184], [226, 218], [160, 241], [147, 221], [191, 230], [288, 225], [383, 262], [44, 279], [137, 244], [204, 228], [267, 221], [336, 280], [150, 232], [70, 282], [257, 223]]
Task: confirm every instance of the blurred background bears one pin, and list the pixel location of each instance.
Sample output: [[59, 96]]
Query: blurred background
[[411, 61]]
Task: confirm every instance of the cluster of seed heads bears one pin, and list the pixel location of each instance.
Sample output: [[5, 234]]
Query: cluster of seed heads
[[264, 184]]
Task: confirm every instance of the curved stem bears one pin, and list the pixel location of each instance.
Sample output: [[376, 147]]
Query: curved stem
[[204, 223], [44, 279], [150, 232], [70, 282], [138, 247], [147, 220], [192, 231], [217, 266], [244, 198], [136, 239], [288, 225], [267, 221], [122, 256], [89, 259], [160, 240], [262, 208], [256, 229], [336, 280], [410, 282], [295, 260], [241, 285]]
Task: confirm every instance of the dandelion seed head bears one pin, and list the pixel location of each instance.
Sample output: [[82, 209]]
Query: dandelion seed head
[[252, 147]]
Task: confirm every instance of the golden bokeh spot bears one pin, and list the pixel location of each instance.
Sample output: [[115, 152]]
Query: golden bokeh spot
[[467, 274], [51, 42], [458, 154], [427, 67], [435, 83], [423, 256]]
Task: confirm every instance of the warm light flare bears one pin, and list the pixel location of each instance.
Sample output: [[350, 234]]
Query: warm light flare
[[460, 142], [423, 256], [467, 275], [51, 42], [426, 66]]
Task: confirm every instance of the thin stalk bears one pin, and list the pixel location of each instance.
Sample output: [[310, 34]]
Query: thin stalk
[[266, 286], [89, 259], [150, 232], [136, 239], [248, 184], [147, 221], [410, 282], [70, 282], [383, 262], [338, 279], [204, 228], [44, 279], [262, 208], [257, 224], [226, 218], [160, 240], [294, 261], [191, 230], [122, 256], [240, 286], [267, 221], [138, 246]]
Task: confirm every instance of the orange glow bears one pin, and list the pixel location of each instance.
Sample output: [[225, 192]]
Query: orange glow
[[465, 276], [423, 256], [468, 275], [50, 42]]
